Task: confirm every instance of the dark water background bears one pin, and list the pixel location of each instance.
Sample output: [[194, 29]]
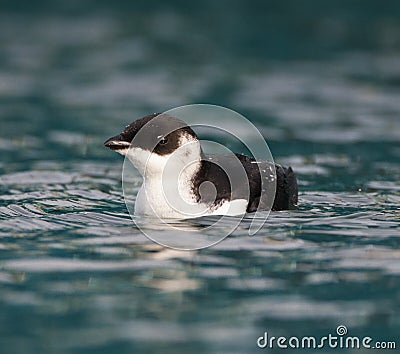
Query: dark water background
[[321, 79]]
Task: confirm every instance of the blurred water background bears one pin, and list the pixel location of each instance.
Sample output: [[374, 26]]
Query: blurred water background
[[320, 79]]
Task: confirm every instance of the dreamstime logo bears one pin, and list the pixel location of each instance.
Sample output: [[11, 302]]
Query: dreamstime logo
[[338, 340], [167, 192]]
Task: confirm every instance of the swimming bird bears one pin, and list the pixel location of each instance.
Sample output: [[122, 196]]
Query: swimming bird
[[181, 181]]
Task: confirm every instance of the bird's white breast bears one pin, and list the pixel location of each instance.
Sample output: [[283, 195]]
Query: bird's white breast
[[154, 201], [167, 191]]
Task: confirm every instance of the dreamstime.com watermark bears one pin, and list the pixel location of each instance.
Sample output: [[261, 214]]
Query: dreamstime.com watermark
[[339, 340]]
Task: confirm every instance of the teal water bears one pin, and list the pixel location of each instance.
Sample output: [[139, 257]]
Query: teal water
[[321, 82]]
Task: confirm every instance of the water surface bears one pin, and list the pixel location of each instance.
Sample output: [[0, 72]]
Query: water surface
[[322, 85]]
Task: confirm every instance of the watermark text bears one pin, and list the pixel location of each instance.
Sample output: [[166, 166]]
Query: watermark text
[[338, 340]]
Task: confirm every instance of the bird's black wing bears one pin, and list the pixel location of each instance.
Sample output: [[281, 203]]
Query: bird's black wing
[[211, 170]]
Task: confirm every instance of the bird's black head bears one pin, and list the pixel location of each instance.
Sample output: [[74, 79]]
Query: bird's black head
[[159, 133]]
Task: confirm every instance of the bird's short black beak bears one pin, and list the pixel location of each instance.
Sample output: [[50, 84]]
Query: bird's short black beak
[[117, 143]]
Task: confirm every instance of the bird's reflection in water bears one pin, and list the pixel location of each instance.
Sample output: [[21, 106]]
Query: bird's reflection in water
[[188, 233]]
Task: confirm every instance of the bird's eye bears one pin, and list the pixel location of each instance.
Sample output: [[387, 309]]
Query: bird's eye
[[163, 141]]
